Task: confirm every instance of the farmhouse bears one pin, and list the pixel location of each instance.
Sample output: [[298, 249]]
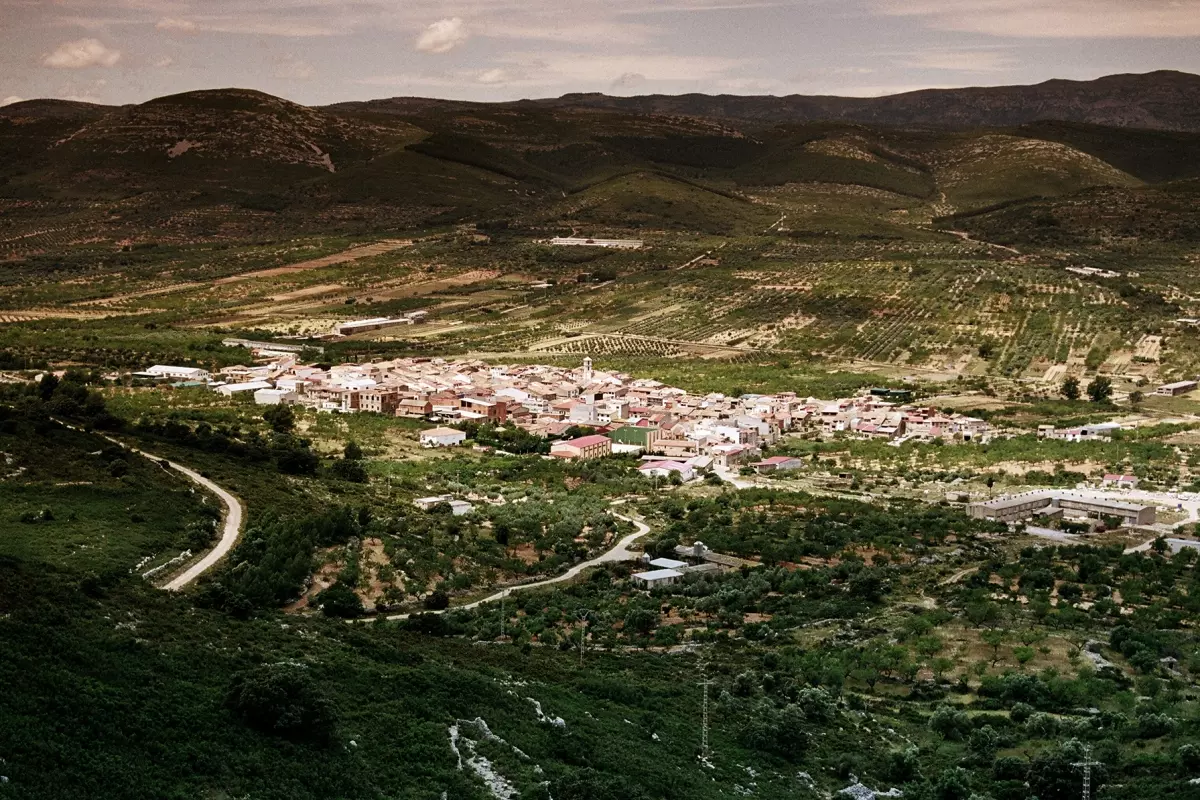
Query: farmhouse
[[664, 469], [179, 373], [442, 437], [1121, 481], [595, 446], [777, 464], [657, 577], [1177, 388], [457, 507]]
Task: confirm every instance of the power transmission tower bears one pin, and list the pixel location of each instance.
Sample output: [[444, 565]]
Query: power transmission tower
[[582, 615], [1087, 765], [705, 682]]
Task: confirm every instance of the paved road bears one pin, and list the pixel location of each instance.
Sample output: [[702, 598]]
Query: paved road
[[619, 552], [230, 530]]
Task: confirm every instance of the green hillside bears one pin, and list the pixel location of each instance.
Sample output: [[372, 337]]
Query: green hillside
[[1165, 215], [652, 201]]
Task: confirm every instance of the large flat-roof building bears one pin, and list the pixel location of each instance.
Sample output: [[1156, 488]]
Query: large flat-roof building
[[581, 241], [657, 577], [594, 446], [1015, 508], [1176, 388]]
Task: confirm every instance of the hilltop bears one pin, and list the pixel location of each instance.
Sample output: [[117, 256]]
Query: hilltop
[[350, 166], [1163, 100]]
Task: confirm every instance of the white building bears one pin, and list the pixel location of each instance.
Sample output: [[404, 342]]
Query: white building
[[442, 437], [457, 507], [657, 577], [664, 469], [273, 397], [231, 389], [179, 373], [579, 241]]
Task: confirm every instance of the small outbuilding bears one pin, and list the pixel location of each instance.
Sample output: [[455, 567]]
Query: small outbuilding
[[442, 437]]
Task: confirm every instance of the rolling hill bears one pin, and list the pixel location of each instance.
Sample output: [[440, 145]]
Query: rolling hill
[[1163, 100], [621, 163]]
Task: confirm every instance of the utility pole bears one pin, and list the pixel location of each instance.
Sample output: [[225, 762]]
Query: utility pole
[[1087, 765], [503, 594], [582, 615]]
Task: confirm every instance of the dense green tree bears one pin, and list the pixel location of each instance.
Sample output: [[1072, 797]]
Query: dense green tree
[[1100, 389], [282, 700], [281, 418], [1070, 388], [339, 600]]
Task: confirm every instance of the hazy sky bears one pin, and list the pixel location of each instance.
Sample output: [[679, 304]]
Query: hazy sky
[[322, 51]]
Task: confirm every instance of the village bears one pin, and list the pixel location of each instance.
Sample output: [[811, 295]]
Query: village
[[616, 413]]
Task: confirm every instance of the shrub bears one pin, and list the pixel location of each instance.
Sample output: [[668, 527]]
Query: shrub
[[282, 701], [339, 600], [950, 722], [1021, 712]]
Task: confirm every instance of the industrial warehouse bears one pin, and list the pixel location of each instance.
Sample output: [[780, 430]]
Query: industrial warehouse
[[1016, 508]]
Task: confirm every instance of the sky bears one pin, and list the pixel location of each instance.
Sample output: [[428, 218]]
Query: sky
[[325, 51]]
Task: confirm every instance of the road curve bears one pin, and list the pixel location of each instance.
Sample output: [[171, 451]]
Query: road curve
[[230, 530], [618, 552]]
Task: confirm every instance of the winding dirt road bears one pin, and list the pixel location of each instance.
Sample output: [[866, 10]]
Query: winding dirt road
[[618, 552], [231, 529], [231, 526]]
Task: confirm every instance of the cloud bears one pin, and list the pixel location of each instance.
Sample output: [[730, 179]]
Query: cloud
[[1065, 19], [628, 80], [494, 76], [164, 62], [546, 73], [293, 69], [443, 36], [173, 25], [80, 54], [960, 60], [12, 98]]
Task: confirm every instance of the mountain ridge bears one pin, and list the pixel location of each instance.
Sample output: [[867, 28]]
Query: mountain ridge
[[1160, 100]]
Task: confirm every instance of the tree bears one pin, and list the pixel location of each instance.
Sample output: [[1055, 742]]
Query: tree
[[950, 722], [953, 784], [1189, 758], [940, 666], [1136, 398], [1070, 388], [348, 469], [983, 613], [352, 452], [339, 600], [1024, 655], [437, 600], [641, 621], [994, 639], [1100, 389], [281, 418], [281, 700]]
